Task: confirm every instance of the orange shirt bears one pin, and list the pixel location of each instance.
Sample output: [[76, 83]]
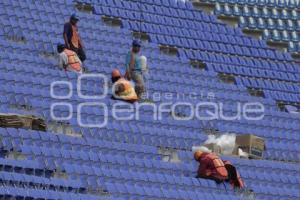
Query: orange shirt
[[75, 36]]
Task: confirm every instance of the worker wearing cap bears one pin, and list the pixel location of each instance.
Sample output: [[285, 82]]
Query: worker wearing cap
[[72, 37], [68, 59], [122, 88], [212, 167], [134, 68]]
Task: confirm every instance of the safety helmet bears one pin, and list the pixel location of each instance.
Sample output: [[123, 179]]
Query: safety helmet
[[115, 73], [197, 155]]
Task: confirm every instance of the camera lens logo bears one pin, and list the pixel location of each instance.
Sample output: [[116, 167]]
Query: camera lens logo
[[85, 112]]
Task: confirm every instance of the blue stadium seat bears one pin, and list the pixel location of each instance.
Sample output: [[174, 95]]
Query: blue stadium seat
[[290, 25], [280, 25], [285, 36], [294, 36], [275, 14], [236, 10], [246, 11], [271, 24], [252, 23], [261, 23], [265, 12]]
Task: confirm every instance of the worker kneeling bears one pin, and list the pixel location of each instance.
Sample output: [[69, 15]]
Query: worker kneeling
[[68, 59], [212, 167], [122, 88]]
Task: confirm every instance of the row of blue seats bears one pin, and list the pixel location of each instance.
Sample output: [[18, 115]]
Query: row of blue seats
[[260, 130], [10, 191], [41, 182], [272, 177], [167, 21], [118, 174], [139, 192], [269, 3], [59, 158], [282, 96], [256, 11], [292, 47], [164, 193], [259, 73], [260, 23], [165, 8], [40, 6], [281, 37], [182, 39], [280, 145], [272, 85], [262, 66], [190, 44], [87, 143]]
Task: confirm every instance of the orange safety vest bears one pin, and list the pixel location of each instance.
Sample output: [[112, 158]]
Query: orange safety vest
[[129, 93], [73, 60], [218, 165], [75, 37]]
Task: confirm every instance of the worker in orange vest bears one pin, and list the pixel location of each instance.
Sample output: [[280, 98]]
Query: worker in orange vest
[[122, 88], [212, 167], [68, 59], [72, 38]]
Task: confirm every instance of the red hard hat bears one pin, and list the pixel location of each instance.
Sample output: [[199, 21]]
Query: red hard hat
[[115, 73]]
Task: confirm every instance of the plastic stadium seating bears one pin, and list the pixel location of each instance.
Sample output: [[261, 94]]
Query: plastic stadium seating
[[282, 16], [121, 160]]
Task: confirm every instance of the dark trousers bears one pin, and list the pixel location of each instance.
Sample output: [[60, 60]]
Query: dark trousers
[[80, 52]]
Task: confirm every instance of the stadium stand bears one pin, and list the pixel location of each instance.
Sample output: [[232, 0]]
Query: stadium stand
[[121, 160], [277, 21]]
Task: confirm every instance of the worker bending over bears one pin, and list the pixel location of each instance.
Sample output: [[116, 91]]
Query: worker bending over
[[212, 167], [122, 88], [68, 59]]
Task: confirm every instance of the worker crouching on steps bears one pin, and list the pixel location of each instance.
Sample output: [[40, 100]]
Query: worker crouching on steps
[[122, 88], [212, 167]]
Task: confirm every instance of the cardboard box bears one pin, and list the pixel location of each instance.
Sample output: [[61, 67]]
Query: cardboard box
[[250, 144], [214, 148]]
